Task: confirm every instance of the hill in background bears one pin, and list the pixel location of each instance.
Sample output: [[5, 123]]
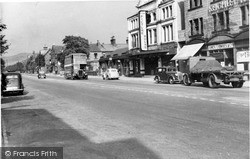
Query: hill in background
[[11, 60]]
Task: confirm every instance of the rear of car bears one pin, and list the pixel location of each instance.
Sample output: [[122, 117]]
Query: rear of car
[[111, 74], [13, 83]]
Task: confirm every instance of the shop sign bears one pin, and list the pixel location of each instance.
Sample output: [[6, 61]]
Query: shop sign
[[225, 4], [143, 30], [243, 56], [221, 46], [152, 48]]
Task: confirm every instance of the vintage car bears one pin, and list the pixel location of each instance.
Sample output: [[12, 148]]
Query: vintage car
[[167, 74], [111, 73], [41, 74], [12, 83]]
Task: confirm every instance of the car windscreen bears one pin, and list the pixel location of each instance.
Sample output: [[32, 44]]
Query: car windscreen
[[113, 70]]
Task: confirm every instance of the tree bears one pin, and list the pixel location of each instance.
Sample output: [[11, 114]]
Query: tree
[[76, 44], [3, 42], [40, 60], [4, 45], [73, 44]]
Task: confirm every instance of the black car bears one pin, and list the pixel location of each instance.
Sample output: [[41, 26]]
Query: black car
[[167, 74], [12, 83]]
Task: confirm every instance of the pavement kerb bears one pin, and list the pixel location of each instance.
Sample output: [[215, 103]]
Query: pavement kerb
[[144, 79], [4, 134]]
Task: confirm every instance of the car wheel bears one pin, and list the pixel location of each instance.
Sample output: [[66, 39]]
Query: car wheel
[[170, 80], [157, 80]]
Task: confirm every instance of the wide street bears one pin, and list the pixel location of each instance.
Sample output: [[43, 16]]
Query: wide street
[[128, 119]]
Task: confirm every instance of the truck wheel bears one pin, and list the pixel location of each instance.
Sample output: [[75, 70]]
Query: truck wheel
[[170, 80], [237, 84], [185, 81], [211, 82]]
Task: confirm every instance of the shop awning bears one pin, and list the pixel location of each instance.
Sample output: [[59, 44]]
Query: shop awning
[[187, 51]]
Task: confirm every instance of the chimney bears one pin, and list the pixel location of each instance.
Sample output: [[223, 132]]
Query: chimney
[[113, 40], [97, 43]]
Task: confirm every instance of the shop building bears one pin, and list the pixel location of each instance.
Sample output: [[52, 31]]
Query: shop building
[[217, 28], [153, 35]]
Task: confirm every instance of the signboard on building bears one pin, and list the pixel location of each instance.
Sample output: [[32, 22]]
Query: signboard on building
[[225, 4], [143, 30], [243, 56], [221, 46]]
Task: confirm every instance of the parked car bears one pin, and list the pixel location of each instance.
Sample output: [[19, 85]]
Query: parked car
[[41, 74], [167, 74], [12, 83], [111, 73]]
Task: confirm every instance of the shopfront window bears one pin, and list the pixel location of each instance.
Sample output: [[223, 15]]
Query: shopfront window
[[245, 15]]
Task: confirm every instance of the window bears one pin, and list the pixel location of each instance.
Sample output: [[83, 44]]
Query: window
[[95, 55], [154, 16], [195, 3], [221, 21], [134, 40], [167, 12], [245, 15], [155, 36], [196, 26], [168, 33]]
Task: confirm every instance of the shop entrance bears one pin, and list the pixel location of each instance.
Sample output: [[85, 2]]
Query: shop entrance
[[151, 63]]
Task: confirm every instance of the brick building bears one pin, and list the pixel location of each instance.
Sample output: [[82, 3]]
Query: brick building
[[218, 28]]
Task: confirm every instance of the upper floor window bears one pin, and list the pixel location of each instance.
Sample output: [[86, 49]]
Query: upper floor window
[[221, 21], [245, 15], [167, 12], [135, 40], [195, 3], [134, 24], [152, 36], [196, 26], [168, 33], [95, 55]]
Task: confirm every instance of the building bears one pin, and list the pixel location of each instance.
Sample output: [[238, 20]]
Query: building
[[217, 28], [93, 57], [153, 35], [55, 64], [107, 50]]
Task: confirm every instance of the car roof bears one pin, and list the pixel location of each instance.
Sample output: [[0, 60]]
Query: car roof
[[11, 73]]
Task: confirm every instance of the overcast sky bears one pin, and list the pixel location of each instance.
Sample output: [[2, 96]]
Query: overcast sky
[[31, 25]]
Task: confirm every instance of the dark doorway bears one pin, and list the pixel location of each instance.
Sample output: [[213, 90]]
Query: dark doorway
[[151, 63]]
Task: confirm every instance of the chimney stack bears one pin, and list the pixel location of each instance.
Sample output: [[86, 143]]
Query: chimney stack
[[113, 40]]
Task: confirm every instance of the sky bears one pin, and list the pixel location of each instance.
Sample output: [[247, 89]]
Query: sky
[[34, 24]]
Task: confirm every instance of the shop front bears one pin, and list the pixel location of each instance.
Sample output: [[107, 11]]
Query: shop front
[[242, 51]]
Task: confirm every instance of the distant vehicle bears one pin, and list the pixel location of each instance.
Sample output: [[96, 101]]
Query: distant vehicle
[[111, 73], [167, 74], [75, 66], [41, 74], [13, 82]]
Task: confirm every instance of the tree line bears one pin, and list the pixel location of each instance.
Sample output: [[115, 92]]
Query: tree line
[[73, 44]]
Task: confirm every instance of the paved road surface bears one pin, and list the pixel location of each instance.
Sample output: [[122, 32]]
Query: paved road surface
[[129, 119]]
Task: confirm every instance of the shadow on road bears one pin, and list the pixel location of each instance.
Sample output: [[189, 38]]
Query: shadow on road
[[9, 99], [38, 127]]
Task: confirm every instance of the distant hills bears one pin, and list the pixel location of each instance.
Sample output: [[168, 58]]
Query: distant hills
[[11, 60]]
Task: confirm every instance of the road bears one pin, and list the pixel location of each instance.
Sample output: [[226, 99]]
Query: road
[[114, 119]]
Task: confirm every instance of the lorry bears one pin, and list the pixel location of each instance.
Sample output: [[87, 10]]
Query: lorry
[[210, 72], [75, 66]]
